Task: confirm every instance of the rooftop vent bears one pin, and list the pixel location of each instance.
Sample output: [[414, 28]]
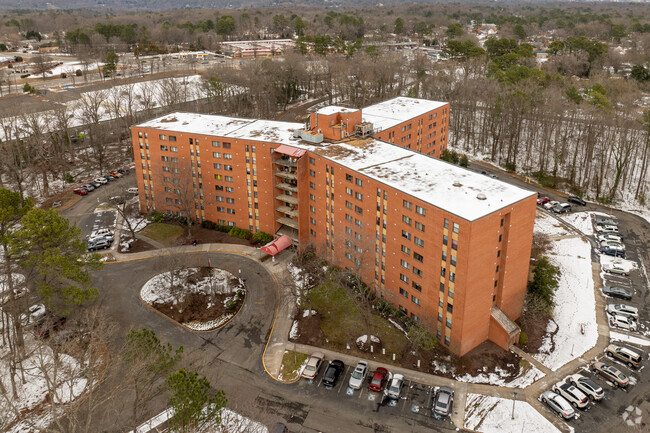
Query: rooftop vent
[[457, 184], [481, 196]]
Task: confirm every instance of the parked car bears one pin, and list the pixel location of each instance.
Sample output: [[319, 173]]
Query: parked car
[[612, 244], [89, 187], [107, 233], [551, 204], [443, 401], [358, 375], [35, 313], [617, 292], [623, 310], [622, 322], [395, 388], [606, 228], [96, 184], [99, 243], [115, 174], [80, 191], [108, 178], [542, 201], [48, 325], [562, 208], [101, 180], [577, 200], [133, 190], [629, 357], [607, 221], [558, 404], [613, 268], [573, 395], [613, 251], [611, 373], [609, 237], [588, 386], [333, 372], [378, 380], [313, 365]]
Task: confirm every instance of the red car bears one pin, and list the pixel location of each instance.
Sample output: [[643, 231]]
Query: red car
[[378, 379], [48, 325], [81, 191], [542, 200]]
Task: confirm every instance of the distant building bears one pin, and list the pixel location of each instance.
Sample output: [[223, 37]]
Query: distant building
[[257, 48], [447, 246]]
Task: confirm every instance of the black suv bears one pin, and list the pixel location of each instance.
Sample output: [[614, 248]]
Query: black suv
[[333, 372], [577, 200]]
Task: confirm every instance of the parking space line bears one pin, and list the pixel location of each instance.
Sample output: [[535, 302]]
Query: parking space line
[[345, 373]]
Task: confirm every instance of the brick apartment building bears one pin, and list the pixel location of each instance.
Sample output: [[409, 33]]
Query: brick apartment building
[[448, 246]]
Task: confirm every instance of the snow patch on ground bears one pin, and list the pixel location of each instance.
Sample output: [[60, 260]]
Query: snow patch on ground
[[306, 313], [549, 226], [583, 220], [397, 325], [210, 324], [488, 414], [293, 334], [498, 378], [574, 304]]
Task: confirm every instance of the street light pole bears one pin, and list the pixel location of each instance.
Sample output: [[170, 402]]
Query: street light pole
[[513, 404]]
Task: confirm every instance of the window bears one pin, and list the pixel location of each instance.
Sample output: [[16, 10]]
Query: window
[[419, 226], [231, 211], [442, 287], [407, 204], [416, 286], [444, 239], [227, 155], [164, 147], [418, 257], [175, 160], [312, 220], [140, 134], [230, 189], [447, 341], [451, 293], [404, 293], [359, 182], [219, 198], [312, 160], [348, 191], [348, 177], [227, 167], [443, 272], [358, 223], [312, 173], [454, 244], [453, 261], [420, 210], [216, 144], [418, 241], [406, 220], [456, 228], [216, 155], [163, 158], [312, 185], [500, 238], [230, 200], [406, 235], [358, 196], [162, 137], [221, 209], [417, 272], [218, 187], [228, 178], [404, 278], [406, 250], [448, 325], [358, 209], [414, 317], [499, 253], [173, 149], [446, 223], [405, 264], [415, 300], [227, 146], [349, 205]]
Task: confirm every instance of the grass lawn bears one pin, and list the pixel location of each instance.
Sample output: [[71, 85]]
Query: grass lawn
[[163, 233], [292, 363], [343, 322]]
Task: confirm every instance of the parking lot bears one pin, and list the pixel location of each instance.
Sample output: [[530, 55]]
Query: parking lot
[[415, 402]]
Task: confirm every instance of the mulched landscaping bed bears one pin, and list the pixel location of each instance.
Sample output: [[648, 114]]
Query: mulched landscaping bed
[[138, 246], [195, 307], [207, 236]]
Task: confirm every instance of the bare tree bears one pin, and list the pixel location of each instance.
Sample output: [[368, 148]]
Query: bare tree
[[42, 64]]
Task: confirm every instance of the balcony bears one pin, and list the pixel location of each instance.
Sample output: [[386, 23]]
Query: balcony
[[287, 187], [288, 210], [288, 222], [285, 163], [286, 175], [287, 199]]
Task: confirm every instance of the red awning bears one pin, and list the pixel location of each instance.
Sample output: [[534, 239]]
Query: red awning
[[277, 245], [291, 151]]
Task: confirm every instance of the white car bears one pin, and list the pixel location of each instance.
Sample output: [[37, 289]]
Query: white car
[[588, 386], [613, 268], [551, 204], [35, 313], [613, 244], [101, 180], [573, 395], [610, 237], [358, 375], [105, 233], [606, 228], [623, 310], [622, 322], [395, 388], [133, 190]]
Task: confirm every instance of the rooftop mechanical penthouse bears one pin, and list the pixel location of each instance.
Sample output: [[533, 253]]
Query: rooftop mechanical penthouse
[[448, 246]]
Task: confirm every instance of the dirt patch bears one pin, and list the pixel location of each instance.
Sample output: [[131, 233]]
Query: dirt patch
[[138, 246], [207, 236], [534, 325], [309, 329], [198, 307]]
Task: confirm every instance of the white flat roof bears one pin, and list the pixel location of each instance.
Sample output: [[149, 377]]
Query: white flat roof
[[332, 109], [398, 110], [431, 180]]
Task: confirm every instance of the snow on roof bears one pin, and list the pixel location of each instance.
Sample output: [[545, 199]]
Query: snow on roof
[[398, 110], [333, 109], [431, 180]]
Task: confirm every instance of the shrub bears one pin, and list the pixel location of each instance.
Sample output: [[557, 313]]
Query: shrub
[[262, 238], [239, 233], [231, 303], [69, 178], [545, 280], [523, 338], [156, 217], [463, 161], [222, 228], [510, 166], [207, 224]]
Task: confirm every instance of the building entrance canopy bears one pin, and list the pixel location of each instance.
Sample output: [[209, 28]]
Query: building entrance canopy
[[277, 245]]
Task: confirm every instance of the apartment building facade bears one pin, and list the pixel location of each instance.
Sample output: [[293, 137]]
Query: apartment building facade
[[447, 246]]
